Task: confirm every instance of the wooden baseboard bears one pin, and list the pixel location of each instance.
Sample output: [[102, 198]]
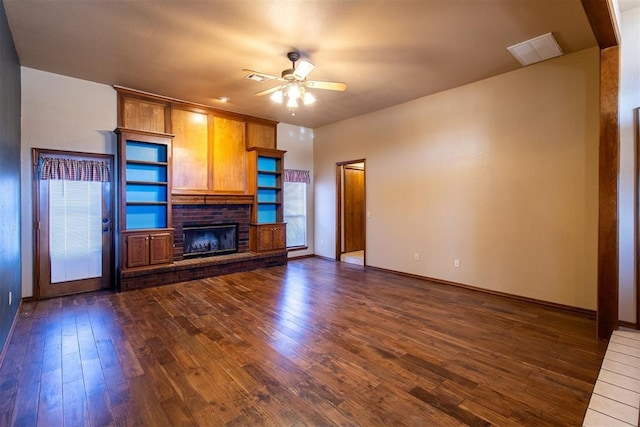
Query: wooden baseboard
[[3, 353], [629, 325], [294, 257], [324, 257], [591, 314], [577, 310]]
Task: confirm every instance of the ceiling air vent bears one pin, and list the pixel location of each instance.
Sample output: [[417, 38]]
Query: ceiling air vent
[[536, 50], [256, 77]]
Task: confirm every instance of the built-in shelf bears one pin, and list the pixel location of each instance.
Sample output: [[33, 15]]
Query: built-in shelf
[[145, 201], [268, 232]]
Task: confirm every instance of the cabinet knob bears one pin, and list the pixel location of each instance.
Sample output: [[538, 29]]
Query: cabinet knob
[[146, 238]]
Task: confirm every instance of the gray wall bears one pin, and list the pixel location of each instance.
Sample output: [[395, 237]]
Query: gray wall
[[9, 178]]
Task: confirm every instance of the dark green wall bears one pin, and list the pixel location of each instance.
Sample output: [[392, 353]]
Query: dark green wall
[[10, 273]]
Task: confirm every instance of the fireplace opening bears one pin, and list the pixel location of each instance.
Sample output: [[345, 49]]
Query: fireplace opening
[[217, 239]]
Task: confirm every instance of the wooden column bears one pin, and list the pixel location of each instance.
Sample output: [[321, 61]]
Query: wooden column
[[604, 29], [608, 193]]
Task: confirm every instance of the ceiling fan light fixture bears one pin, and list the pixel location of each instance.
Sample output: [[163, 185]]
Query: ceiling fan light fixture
[[292, 103], [293, 83], [277, 96], [308, 98], [294, 92], [303, 69]]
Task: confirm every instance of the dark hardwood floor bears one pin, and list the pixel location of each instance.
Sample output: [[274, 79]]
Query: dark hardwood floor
[[313, 343]]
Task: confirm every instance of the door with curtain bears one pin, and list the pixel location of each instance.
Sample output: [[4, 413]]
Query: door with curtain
[[73, 222]]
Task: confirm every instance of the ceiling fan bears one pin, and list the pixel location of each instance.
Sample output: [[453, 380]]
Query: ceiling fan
[[293, 82]]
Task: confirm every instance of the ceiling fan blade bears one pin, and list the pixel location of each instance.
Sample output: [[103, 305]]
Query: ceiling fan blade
[[268, 91], [303, 68], [326, 85], [258, 76]]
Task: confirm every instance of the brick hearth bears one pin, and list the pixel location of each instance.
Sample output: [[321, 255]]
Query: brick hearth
[[199, 268], [197, 214]]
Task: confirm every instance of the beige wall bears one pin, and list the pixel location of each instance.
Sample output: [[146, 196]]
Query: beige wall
[[500, 174], [297, 141], [629, 101], [60, 113]]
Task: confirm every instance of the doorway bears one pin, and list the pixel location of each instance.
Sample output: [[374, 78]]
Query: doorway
[[351, 212], [73, 222]]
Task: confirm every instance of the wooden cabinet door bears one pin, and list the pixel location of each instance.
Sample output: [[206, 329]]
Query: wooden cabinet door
[[229, 156], [265, 238], [137, 250], [261, 134], [144, 115], [160, 248], [279, 236], [191, 154], [268, 237]]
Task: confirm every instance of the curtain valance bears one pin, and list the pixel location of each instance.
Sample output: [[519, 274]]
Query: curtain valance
[[58, 168], [294, 175]]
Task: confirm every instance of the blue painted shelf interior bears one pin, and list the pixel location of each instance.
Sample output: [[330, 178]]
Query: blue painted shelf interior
[[267, 195], [267, 180], [267, 164], [268, 189], [146, 216], [146, 173], [140, 193], [146, 152], [146, 185], [267, 213]]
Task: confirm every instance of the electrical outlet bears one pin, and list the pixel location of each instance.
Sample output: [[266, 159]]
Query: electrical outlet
[[10, 297], [368, 214], [416, 257], [456, 263]]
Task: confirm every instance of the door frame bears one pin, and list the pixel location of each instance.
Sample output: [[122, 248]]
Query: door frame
[[35, 155], [340, 206], [636, 210]]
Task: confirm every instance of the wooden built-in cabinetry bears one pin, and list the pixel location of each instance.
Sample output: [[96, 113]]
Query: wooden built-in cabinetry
[[210, 156], [261, 134], [267, 232], [191, 154], [140, 112], [209, 153], [229, 170], [144, 197], [268, 237], [145, 248]]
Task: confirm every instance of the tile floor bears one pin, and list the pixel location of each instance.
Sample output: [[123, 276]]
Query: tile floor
[[356, 257], [616, 397]]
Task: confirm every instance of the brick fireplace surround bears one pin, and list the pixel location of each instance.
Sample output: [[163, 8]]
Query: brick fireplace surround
[[182, 270], [201, 215]]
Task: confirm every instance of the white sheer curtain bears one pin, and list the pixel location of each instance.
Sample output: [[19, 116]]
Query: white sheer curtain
[[295, 206]]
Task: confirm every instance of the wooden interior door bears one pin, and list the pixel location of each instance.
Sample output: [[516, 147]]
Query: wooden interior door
[[354, 215], [73, 232]]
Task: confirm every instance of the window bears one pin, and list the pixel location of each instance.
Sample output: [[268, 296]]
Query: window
[[295, 213], [295, 206]]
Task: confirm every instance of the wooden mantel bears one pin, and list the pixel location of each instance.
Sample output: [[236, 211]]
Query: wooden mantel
[[211, 199]]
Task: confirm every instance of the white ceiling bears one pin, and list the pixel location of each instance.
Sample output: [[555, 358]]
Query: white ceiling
[[627, 5], [387, 52]]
